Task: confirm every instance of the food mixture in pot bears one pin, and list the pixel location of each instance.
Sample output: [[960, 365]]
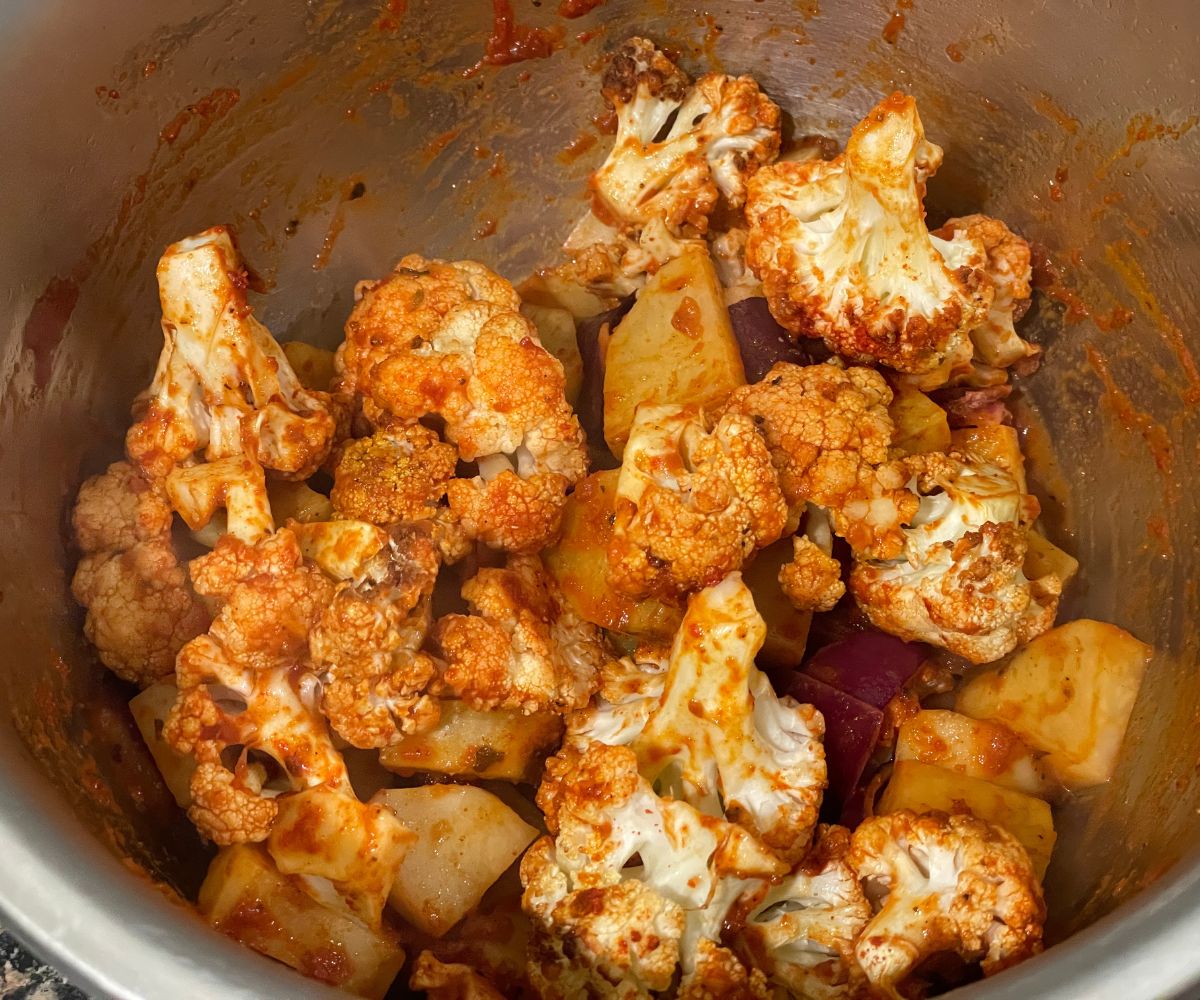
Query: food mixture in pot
[[676, 623]]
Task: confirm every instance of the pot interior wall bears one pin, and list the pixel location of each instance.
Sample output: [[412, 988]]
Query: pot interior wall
[[336, 137]]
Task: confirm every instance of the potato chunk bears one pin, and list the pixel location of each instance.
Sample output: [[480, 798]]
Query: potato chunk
[[1070, 692], [996, 444], [149, 710], [675, 345], [547, 288], [974, 747], [469, 743], [920, 424], [245, 897], [787, 628], [297, 501], [1043, 557], [578, 561], [556, 331], [313, 365], [925, 788], [466, 839]]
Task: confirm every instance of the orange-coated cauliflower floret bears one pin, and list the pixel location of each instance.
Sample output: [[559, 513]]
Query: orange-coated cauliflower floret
[[812, 581], [693, 501], [829, 432], [1008, 267], [448, 340], [366, 643], [450, 980], [247, 684], [140, 606], [802, 931], [710, 730], [943, 884], [397, 474], [843, 253], [522, 646], [223, 385], [603, 928], [958, 582]]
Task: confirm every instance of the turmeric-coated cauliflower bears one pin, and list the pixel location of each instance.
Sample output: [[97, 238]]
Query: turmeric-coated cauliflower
[[802, 931], [712, 732], [366, 643], [1008, 267], [522, 647], [604, 927], [812, 581], [943, 884], [223, 385], [958, 582], [828, 431], [447, 340], [140, 607], [717, 133], [245, 687], [693, 501], [843, 253]]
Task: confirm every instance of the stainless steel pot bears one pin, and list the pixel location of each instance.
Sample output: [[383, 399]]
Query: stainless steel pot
[[338, 135]]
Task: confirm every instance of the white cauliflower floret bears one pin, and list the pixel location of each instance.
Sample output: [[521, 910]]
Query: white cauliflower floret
[[802, 930], [629, 692], [717, 736], [959, 582], [447, 340], [236, 483], [693, 501], [943, 884], [1008, 267], [843, 252], [522, 647], [718, 133], [603, 927], [223, 385]]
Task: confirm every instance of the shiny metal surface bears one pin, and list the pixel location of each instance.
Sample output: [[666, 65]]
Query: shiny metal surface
[[130, 126]]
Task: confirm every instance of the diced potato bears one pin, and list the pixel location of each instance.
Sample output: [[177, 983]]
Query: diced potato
[[996, 444], [556, 331], [297, 501], [787, 628], [1070, 692], [925, 788], [313, 365], [546, 288], [466, 742], [578, 561], [150, 709], [921, 425], [466, 839], [1043, 557], [675, 346], [976, 748], [246, 897]]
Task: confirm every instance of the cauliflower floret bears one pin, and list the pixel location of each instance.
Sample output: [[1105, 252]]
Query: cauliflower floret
[[629, 692], [522, 647], [140, 607], [223, 385], [693, 501], [828, 431], [366, 644], [812, 581], [958, 582], [712, 731], [450, 980], [843, 252], [1008, 267], [718, 133], [802, 931], [603, 928], [448, 340], [245, 687], [236, 483], [613, 261], [943, 883]]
